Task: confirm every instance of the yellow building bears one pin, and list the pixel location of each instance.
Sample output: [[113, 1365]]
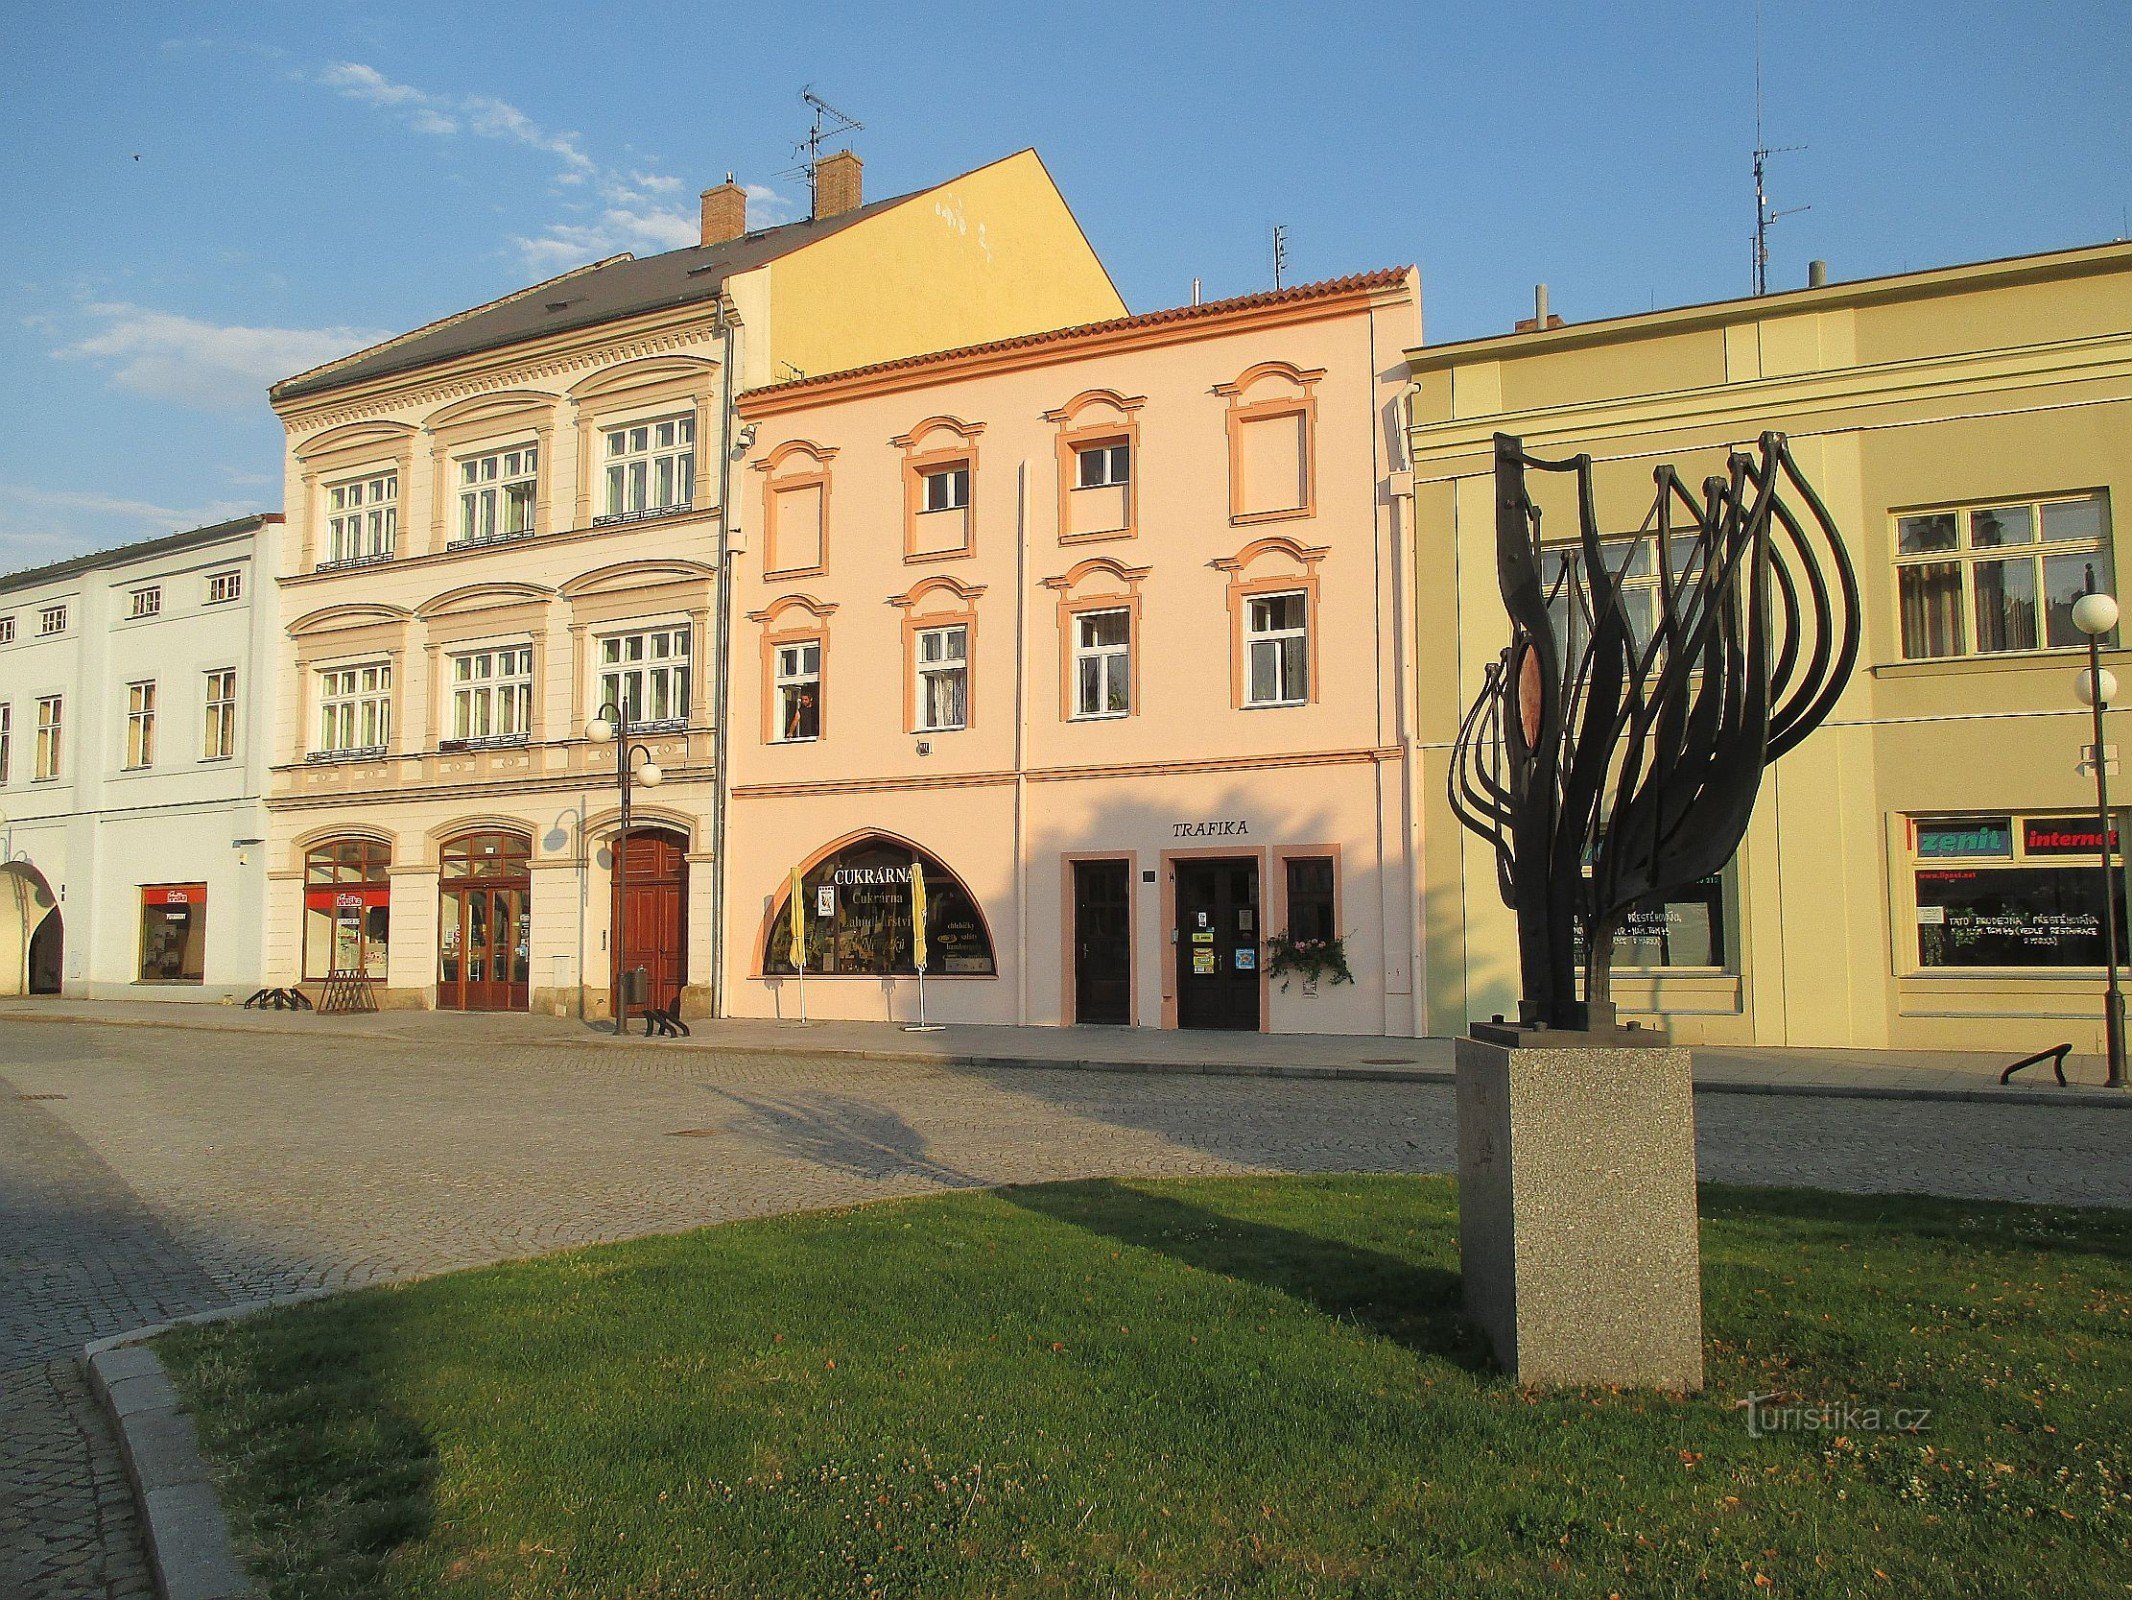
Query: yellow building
[[1924, 872], [504, 520]]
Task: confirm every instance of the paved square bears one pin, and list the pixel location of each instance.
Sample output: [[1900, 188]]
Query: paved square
[[150, 1171]]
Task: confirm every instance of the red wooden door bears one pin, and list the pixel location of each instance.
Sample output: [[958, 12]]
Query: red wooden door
[[651, 929]]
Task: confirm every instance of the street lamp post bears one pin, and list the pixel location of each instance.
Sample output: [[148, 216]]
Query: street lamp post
[[2095, 615], [610, 725]]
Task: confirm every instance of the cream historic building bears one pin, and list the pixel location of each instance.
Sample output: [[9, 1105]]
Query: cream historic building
[[1925, 871], [502, 521]]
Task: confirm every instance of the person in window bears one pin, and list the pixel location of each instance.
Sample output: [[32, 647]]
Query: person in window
[[803, 712]]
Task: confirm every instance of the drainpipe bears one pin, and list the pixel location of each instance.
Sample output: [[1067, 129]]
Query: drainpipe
[[1021, 769], [721, 667]]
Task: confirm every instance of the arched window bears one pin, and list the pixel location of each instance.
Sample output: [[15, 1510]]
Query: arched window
[[347, 907], [488, 855], [862, 923]]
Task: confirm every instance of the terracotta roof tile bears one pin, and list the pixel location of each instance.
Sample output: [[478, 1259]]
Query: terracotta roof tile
[[1330, 288]]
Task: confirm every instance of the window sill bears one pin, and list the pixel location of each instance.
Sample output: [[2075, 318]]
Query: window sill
[[1997, 661], [810, 739], [321, 757], [214, 761], [934, 733], [352, 563], [167, 983], [484, 541], [1099, 716], [1952, 975], [1272, 705], [620, 519], [1241, 519], [498, 741]]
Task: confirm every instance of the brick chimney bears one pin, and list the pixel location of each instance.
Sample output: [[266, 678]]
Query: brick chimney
[[725, 212], [836, 184]]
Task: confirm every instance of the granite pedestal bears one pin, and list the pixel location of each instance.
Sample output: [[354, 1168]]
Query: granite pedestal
[[1576, 1210]]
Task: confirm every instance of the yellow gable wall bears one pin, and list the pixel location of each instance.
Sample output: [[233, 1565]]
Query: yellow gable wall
[[988, 256]]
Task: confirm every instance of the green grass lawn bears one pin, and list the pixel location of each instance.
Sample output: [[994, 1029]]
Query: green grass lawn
[[1210, 1387]]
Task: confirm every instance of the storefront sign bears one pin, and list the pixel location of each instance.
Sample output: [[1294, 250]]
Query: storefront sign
[[174, 894], [1972, 837], [348, 897], [1235, 829], [2064, 836], [1202, 963], [866, 875]]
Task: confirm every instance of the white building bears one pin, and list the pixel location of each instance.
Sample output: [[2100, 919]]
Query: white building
[[133, 700]]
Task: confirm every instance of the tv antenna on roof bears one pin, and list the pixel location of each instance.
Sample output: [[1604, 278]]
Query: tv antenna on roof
[[1763, 216], [827, 124], [1280, 252]]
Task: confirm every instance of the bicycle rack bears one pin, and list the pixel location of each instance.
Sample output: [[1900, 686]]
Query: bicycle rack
[[2055, 1055]]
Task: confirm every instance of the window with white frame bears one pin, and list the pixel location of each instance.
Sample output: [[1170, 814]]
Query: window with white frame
[[798, 690], [7, 738], [354, 708], [146, 602], [1102, 466], [51, 620], [943, 679], [48, 735], [492, 693], [947, 488], [496, 494], [646, 674], [223, 587], [218, 728], [7, 630], [363, 518], [140, 723], [1277, 649], [1980, 580], [651, 467], [1102, 663]]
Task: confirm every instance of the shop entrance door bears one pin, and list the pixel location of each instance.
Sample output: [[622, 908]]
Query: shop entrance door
[[1102, 942], [654, 923], [484, 948], [1217, 944]]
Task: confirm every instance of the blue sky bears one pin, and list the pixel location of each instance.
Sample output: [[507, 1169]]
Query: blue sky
[[197, 200]]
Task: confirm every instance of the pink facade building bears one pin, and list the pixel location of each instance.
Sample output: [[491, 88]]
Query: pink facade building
[[1100, 630]]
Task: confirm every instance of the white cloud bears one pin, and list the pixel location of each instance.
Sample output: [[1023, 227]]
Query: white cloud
[[629, 209], [204, 364], [43, 525]]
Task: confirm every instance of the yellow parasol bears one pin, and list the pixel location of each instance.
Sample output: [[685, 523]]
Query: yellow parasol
[[917, 916], [799, 923]]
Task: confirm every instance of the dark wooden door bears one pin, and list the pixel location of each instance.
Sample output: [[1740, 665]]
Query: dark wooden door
[[47, 946], [653, 926], [1102, 942], [1217, 944]]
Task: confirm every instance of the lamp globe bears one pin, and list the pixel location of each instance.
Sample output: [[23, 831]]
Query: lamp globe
[[2095, 614]]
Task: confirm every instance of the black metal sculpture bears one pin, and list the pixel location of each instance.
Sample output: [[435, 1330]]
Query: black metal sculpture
[[1619, 763]]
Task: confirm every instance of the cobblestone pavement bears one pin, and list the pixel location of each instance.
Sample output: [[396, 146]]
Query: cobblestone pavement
[[145, 1172]]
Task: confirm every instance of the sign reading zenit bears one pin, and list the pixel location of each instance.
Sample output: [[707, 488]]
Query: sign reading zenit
[[1972, 837], [2063, 836], [1209, 830]]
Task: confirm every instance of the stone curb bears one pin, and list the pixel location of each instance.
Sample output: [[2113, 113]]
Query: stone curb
[[186, 1533], [2083, 1095]]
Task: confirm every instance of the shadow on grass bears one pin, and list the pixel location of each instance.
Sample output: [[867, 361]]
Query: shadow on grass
[[324, 1477], [1924, 1219], [1415, 1306]]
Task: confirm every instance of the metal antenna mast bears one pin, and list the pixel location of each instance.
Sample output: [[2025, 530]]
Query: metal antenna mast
[[1280, 252], [828, 123], [1763, 216]]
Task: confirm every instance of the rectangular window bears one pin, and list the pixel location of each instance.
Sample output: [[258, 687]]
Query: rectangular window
[[1682, 928], [146, 602], [7, 739], [1310, 898], [1983, 580], [363, 518], [1278, 649], [1102, 663], [496, 495], [492, 694], [1631, 561], [943, 679], [48, 737], [1272, 458], [218, 730], [7, 630], [355, 709], [798, 688], [140, 724], [173, 932], [51, 620], [651, 468], [2007, 891], [947, 489], [1101, 466], [223, 587], [796, 528], [646, 675]]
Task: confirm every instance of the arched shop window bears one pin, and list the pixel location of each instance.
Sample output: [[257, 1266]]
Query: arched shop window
[[858, 916], [347, 908]]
